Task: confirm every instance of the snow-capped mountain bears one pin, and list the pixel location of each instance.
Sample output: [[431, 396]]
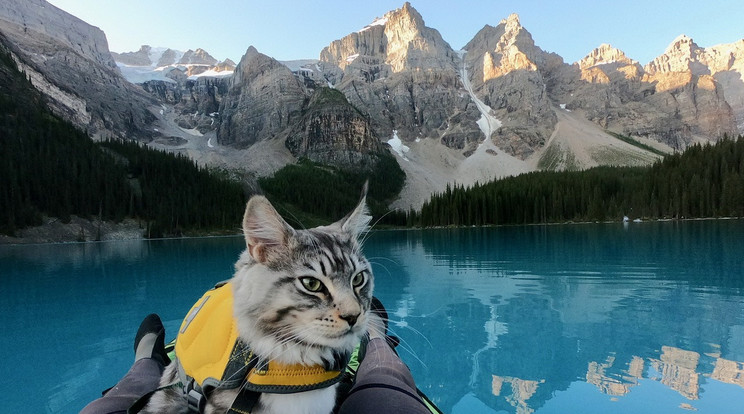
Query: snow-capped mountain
[[158, 63]]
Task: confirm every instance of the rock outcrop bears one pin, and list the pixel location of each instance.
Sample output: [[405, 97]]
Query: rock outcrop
[[332, 131], [264, 99], [196, 102], [68, 60]]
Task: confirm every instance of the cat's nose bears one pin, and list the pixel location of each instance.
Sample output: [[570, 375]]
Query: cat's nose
[[350, 318]]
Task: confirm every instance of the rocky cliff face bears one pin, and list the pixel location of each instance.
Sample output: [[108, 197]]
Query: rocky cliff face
[[196, 102], [332, 131], [403, 75], [508, 73], [684, 85], [264, 99], [68, 60]]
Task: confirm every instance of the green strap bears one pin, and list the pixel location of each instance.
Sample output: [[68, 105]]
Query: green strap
[[429, 404]]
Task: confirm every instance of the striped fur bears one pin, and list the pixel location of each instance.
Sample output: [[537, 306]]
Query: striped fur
[[280, 311]]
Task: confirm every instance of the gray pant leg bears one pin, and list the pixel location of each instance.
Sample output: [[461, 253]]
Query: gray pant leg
[[143, 377], [383, 385]]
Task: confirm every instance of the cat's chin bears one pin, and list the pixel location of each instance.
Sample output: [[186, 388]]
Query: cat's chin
[[312, 350]]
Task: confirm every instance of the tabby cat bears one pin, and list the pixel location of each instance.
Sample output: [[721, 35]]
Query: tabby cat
[[300, 296]]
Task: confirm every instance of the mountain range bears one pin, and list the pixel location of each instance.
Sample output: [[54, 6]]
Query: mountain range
[[501, 106]]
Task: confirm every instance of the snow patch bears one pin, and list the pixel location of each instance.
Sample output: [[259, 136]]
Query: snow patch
[[398, 145], [352, 58], [142, 74], [608, 62], [380, 21], [213, 73], [209, 143], [488, 123]]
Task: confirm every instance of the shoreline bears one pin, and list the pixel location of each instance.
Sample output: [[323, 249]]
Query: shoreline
[[80, 230], [53, 231]]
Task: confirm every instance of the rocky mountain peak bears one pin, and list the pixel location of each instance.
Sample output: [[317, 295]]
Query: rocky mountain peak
[[513, 33], [263, 99], [605, 54], [507, 72], [394, 43], [197, 57], [169, 57], [139, 58], [407, 18], [682, 55], [511, 24], [505, 48], [398, 71]]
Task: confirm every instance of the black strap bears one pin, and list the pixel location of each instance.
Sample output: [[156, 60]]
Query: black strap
[[141, 402], [244, 402]]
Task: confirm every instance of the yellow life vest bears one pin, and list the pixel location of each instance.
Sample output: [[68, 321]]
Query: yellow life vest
[[210, 353]]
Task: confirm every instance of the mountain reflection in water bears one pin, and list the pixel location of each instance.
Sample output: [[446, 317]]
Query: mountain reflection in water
[[647, 318], [524, 319]]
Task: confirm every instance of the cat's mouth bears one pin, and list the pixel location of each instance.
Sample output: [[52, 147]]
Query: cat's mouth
[[337, 339]]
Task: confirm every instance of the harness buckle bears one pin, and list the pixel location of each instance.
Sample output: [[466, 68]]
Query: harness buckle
[[195, 398]]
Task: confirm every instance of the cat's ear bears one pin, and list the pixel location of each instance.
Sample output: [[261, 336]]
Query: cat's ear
[[357, 222], [266, 232]]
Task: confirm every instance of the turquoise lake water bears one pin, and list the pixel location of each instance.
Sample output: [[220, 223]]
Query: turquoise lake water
[[585, 318]]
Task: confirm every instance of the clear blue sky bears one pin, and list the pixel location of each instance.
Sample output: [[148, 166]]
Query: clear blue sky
[[292, 29]]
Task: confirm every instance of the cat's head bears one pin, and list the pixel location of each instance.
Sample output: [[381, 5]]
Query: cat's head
[[302, 295]]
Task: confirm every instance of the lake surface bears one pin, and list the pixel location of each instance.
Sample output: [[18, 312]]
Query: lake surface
[[591, 318]]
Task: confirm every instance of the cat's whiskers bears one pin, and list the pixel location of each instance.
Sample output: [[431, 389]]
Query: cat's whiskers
[[403, 344], [379, 265], [368, 231]]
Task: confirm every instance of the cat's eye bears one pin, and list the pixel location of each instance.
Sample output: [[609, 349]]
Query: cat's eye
[[312, 284], [358, 279]]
